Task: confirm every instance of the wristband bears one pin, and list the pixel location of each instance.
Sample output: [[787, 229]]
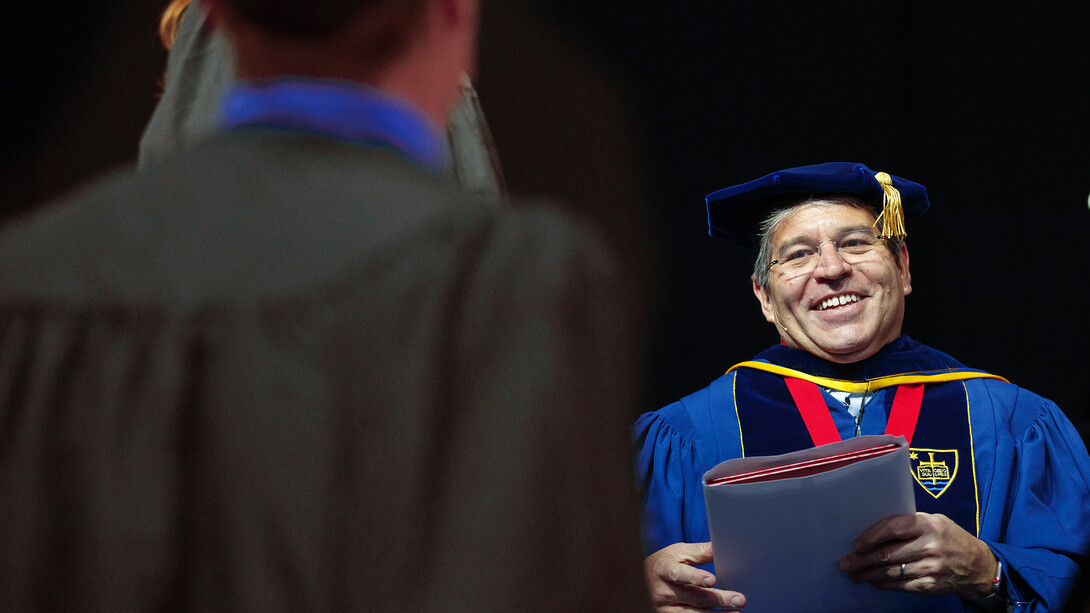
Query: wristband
[[995, 597]]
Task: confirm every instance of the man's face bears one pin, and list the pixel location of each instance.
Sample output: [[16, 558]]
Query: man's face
[[873, 288]]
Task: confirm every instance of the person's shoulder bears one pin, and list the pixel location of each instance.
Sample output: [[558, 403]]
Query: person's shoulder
[[721, 387], [40, 249], [1010, 406], [689, 414], [545, 228], [1014, 396], [245, 218], [376, 187]]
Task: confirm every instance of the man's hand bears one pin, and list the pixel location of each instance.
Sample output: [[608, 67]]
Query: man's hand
[[676, 586], [939, 558]]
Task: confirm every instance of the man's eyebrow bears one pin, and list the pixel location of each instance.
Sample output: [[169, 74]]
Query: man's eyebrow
[[784, 246], [840, 233], [869, 229]]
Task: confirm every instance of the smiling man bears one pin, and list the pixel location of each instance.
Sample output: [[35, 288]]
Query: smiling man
[[1003, 532]]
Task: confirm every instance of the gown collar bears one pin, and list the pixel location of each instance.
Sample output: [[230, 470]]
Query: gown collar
[[345, 111], [902, 355]]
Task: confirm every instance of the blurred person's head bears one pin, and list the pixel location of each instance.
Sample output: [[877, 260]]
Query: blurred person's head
[[415, 49]]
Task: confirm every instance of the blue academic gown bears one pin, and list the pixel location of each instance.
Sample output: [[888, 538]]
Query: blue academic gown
[[1030, 495]]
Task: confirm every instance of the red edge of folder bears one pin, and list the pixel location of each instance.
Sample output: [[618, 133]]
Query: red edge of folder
[[805, 468]]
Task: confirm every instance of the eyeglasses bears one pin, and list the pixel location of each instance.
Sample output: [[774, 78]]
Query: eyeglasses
[[801, 258]]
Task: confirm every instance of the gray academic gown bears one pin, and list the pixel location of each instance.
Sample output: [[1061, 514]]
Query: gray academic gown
[[286, 373]]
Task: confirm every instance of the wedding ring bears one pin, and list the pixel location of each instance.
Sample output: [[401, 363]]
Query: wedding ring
[[902, 571]]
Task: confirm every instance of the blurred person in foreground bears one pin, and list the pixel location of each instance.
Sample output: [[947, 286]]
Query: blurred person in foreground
[[1006, 524], [298, 368]]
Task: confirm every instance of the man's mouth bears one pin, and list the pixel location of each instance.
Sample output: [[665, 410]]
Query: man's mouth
[[837, 301]]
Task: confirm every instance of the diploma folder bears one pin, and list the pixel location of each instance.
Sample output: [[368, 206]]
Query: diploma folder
[[780, 524]]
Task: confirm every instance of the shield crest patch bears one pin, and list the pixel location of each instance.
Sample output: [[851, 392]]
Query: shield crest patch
[[934, 469]]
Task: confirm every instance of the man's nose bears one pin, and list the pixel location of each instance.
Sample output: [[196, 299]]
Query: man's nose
[[830, 264]]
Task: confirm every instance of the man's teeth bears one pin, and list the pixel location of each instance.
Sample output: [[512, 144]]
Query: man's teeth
[[836, 301]]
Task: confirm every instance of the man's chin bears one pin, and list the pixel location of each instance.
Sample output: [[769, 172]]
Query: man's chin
[[845, 352], [843, 344]]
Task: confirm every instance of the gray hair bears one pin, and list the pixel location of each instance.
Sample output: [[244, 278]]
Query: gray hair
[[772, 222]]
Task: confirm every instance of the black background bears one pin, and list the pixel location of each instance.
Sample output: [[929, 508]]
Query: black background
[[632, 112]]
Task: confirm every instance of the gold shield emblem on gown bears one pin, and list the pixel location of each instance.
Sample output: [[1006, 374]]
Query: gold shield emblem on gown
[[934, 469]]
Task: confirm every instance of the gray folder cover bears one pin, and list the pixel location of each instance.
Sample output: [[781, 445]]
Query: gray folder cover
[[778, 541]]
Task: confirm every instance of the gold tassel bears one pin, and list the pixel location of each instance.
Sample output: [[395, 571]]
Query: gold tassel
[[168, 23], [893, 213]]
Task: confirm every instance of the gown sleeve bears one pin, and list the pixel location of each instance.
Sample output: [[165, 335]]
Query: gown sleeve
[[668, 472], [1046, 529]]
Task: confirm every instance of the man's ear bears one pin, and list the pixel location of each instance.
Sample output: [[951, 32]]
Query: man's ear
[[902, 265], [766, 302]]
